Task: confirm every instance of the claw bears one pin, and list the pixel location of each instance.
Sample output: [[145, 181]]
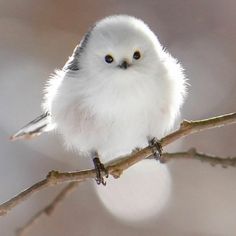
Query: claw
[[100, 168], [155, 144]]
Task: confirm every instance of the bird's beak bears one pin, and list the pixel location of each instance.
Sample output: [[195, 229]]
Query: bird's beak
[[124, 65]]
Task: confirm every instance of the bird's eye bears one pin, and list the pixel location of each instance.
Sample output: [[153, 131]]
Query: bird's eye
[[136, 55], [109, 59]]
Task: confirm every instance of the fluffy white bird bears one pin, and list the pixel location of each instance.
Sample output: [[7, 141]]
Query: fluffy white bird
[[118, 90]]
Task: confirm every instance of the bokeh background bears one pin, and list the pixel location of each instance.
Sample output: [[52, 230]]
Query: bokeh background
[[38, 36]]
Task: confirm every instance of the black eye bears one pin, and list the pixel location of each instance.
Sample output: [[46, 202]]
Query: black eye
[[136, 55], [109, 59]]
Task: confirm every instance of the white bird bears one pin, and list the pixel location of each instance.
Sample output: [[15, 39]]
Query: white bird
[[118, 90]]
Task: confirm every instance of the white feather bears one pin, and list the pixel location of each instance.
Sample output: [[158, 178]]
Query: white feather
[[34, 128], [100, 107], [104, 108]]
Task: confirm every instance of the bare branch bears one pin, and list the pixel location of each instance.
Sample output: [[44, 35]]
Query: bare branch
[[117, 166], [190, 127], [190, 154], [48, 210], [193, 154]]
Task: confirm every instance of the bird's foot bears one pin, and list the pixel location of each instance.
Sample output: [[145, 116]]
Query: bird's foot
[[100, 169], [137, 149], [155, 144]]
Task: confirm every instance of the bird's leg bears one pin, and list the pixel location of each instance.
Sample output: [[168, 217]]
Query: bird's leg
[[100, 168], [155, 144]]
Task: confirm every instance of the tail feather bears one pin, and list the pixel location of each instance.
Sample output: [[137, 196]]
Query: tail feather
[[34, 128]]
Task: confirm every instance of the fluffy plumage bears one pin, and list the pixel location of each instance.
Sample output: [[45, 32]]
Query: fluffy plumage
[[112, 108], [105, 108], [99, 106]]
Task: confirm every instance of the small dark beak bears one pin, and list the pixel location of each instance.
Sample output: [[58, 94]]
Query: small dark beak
[[124, 65]]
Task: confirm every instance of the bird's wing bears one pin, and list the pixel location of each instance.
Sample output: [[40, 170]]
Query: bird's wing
[[43, 123], [34, 128], [73, 63]]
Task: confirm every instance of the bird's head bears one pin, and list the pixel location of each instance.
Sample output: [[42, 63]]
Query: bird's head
[[120, 46]]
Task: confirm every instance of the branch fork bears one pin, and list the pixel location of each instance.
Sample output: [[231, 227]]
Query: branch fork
[[118, 165]]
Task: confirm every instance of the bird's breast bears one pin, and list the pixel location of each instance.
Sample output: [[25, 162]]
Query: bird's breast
[[113, 119]]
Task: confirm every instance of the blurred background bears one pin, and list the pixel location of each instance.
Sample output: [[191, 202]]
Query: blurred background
[[38, 36]]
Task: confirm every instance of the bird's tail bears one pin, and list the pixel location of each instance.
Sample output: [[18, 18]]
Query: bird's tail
[[34, 128], [141, 193]]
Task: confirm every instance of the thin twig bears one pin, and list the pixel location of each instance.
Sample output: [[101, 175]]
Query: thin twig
[[49, 209], [190, 127], [119, 165], [190, 154], [193, 154]]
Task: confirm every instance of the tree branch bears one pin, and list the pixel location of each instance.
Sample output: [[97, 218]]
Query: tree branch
[[49, 209], [117, 166], [190, 127], [190, 154]]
